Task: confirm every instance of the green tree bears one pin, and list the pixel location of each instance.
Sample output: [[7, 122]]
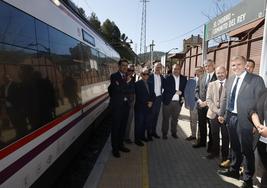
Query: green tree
[[82, 12], [111, 31], [95, 21]]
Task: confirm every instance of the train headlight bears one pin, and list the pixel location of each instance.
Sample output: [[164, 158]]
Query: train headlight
[[56, 2]]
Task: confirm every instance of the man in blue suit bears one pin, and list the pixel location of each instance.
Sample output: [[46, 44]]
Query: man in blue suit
[[143, 105], [190, 101], [118, 91], [172, 99], [156, 80]]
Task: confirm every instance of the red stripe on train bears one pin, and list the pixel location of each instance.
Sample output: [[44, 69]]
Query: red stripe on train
[[23, 141]]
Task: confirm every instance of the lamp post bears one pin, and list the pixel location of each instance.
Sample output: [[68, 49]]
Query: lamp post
[[166, 56]]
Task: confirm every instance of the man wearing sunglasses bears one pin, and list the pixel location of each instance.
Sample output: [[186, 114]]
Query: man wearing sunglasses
[[143, 104]]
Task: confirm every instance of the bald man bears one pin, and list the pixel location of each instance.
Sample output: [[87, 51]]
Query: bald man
[[214, 93]]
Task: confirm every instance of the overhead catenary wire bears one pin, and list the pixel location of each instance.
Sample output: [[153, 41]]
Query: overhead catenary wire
[[179, 36]]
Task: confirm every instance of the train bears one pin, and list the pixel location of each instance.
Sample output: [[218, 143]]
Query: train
[[54, 70]]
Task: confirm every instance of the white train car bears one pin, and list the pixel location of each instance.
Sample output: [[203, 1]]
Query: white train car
[[54, 71]]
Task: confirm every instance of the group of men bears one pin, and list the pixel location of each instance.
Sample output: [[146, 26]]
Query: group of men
[[211, 98], [144, 99], [225, 104]]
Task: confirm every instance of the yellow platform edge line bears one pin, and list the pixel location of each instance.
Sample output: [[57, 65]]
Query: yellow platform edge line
[[145, 175]]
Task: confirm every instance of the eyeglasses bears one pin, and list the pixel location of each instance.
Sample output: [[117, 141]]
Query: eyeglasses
[[145, 74], [129, 70]]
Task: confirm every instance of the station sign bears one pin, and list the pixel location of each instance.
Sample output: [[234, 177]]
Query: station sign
[[241, 14]]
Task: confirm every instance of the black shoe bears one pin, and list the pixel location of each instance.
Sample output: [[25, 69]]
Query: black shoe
[[174, 136], [139, 143], [165, 137], [212, 156], [144, 139], [209, 149], [116, 153], [128, 141], [124, 149], [247, 184], [190, 138], [198, 145], [155, 135], [229, 173]]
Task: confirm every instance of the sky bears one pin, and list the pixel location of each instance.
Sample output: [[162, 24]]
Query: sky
[[168, 21]]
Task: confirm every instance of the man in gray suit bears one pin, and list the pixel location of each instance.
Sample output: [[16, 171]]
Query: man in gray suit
[[241, 93], [200, 94]]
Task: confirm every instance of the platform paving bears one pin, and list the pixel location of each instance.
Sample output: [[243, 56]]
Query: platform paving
[[171, 163]]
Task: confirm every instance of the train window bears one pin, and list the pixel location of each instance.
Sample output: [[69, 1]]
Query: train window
[[88, 38], [42, 37], [94, 53], [76, 53], [64, 49], [15, 55], [86, 52], [16, 27]]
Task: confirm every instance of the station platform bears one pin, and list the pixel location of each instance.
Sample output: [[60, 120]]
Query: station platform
[[171, 163]]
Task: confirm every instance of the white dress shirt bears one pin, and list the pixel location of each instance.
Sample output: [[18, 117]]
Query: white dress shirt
[[157, 84], [209, 75], [241, 78], [223, 81], [176, 97], [262, 138]]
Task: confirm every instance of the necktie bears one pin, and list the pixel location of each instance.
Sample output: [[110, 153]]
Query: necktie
[[220, 92], [124, 77], [147, 88], [207, 82], [220, 89], [231, 104]]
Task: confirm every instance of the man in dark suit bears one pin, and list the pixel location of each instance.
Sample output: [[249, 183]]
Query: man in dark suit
[[156, 80], [118, 92], [172, 99], [143, 105], [241, 92], [200, 92]]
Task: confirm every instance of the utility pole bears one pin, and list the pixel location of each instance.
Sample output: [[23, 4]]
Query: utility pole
[[143, 28], [263, 66], [151, 53], [204, 45]]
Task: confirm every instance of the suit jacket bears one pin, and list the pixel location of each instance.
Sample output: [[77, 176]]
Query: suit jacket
[[118, 90], [189, 94], [142, 96], [261, 109], [169, 89], [152, 82], [213, 99], [247, 96], [201, 88]]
